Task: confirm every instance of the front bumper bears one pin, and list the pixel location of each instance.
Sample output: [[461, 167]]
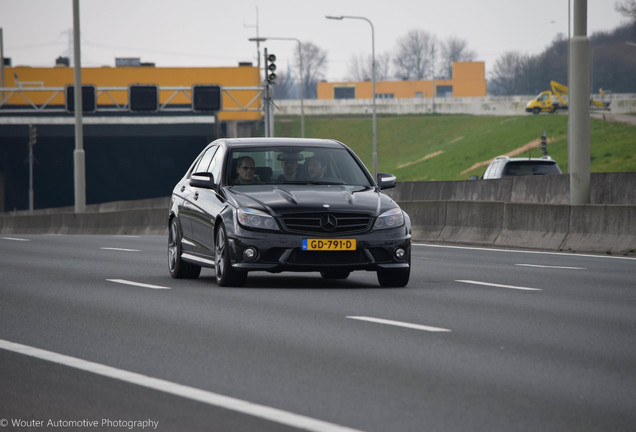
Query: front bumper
[[276, 251]]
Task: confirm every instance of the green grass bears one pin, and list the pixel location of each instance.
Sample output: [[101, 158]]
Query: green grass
[[455, 143]]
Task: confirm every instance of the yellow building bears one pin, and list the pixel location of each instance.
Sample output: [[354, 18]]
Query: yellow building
[[469, 80]]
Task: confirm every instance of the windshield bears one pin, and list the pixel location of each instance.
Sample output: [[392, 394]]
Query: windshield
[[294, 165]]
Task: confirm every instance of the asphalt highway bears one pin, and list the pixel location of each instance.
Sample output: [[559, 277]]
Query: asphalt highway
[[95, 335]]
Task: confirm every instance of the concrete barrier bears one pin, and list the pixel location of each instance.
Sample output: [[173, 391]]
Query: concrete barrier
[[428, 218], [475, 222], [121, 222], [588, 228], [602, 228], [488, 105], [437, 214], [605, 188], [534, 226]]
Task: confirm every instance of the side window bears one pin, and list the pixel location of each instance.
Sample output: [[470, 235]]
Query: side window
[[216, 166], [204, 162]]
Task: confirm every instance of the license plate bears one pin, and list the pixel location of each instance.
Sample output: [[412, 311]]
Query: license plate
[[329, 244]]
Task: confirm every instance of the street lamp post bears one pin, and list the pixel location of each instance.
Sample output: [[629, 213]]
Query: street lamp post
[[302, 82], [79, 155], [579, 108], [374, 128]]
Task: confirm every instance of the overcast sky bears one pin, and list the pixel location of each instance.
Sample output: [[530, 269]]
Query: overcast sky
[[215, 32]]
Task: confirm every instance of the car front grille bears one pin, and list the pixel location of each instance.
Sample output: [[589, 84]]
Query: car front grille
[[327, 223]]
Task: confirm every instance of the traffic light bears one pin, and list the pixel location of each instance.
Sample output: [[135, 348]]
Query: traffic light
[[33, 135], [270, 68], [143, 97], [88, 98], [206, 98]]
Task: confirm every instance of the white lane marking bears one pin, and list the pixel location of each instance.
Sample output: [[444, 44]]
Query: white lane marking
[[399, 324], [120, 249], [551, 267], [268, 413], [139, 284], [499, 285], [568, 254], [16, 239]]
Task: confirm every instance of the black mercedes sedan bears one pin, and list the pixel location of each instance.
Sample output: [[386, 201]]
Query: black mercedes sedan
[[286, 204]]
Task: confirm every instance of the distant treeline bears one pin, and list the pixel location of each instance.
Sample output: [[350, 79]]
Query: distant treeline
[[613, 58]]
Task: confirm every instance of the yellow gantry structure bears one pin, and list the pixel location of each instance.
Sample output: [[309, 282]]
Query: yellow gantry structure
[[44, 87]]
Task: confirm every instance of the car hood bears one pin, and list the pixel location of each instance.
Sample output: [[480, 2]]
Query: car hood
[[278, 199]]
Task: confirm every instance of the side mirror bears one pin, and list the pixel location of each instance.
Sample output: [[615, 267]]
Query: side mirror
[[202, 180], [386, 181], [473, 177]]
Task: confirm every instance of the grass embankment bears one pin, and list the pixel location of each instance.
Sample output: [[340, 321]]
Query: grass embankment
[[454, 147]]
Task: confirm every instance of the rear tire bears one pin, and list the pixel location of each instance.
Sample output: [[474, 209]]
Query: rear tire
[[179, 269], [226, 275]]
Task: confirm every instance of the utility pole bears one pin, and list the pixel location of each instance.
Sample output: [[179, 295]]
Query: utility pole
[[270, 78], [32, 140], [433, 95], [302, 81], [374, 128], [258, 41], [579, 101], [1, 64], [79, 156]]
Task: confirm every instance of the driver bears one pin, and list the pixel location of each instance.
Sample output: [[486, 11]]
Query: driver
[[246, 170]]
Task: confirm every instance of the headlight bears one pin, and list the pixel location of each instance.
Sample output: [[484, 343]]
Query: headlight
[[253, 218], [389, 219]]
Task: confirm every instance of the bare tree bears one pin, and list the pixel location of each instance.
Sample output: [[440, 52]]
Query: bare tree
[[506, 74], [627, 8], [284, 86], [414, 57], [359, 68], [314, 65], [454, 50], [383, 67]]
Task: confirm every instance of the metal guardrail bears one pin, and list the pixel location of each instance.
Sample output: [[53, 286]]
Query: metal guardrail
[[29, 103]]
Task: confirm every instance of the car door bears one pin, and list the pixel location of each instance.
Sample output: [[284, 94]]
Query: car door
[[188, 212], [207, 204]]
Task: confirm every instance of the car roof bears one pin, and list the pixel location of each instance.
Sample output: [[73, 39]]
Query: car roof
[[544, 159], [281, 142]]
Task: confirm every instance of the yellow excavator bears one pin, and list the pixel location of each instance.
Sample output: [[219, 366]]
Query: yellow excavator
[[556, 99]]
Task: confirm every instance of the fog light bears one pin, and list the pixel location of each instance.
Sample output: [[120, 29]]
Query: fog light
[[399, 253], [250, 253]]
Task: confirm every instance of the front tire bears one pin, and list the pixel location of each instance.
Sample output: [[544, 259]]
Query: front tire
[[179, 269], [395, 278], [335, 274], [225, 274]]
